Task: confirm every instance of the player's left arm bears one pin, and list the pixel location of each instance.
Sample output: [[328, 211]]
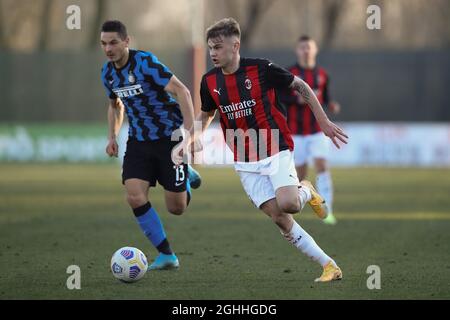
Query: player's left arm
[[183, 96], [330, 129]]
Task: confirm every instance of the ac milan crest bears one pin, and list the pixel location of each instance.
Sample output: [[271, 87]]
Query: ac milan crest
[[248, 84]]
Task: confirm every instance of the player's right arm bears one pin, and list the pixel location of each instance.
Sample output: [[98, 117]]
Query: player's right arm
[[205, 117], [115, 120], [193, 138], [209, 108]]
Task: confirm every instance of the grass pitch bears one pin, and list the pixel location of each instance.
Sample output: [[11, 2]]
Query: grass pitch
[[53, 216]]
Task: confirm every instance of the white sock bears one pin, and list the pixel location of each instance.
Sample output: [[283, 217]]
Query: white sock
[[324, 186], [306, 244], [305, 195]]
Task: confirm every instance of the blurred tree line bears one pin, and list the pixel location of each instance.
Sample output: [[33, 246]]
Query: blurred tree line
[[32, 25]]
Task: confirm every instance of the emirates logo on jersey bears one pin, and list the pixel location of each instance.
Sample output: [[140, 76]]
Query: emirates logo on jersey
[[238, 110], [248, 84]]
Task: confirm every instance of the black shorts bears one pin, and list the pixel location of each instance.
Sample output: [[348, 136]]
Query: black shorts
[[152, 161]]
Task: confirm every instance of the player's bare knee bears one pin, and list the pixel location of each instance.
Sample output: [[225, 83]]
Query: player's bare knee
[[321, 169], [321, 165], [177, 208], [136, 200], [178, 211], [290, 206]]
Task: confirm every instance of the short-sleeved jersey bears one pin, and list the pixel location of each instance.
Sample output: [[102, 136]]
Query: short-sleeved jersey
[[247, 99], [301, 120], [152, 112]]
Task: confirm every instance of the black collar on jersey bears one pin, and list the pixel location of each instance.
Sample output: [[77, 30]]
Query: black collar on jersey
[[131, 53]]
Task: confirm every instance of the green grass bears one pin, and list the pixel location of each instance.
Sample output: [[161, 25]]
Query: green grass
[[53, 216]]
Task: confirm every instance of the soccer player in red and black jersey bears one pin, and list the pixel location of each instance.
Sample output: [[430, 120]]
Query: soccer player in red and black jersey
[[243, 91], [309, 140]]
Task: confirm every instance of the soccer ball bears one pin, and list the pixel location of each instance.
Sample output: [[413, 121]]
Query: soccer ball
[[129, 264]]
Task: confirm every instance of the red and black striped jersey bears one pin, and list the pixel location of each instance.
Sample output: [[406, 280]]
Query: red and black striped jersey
[[247, 100], [301, 120]]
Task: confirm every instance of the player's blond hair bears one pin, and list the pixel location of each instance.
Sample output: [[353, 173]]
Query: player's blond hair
[[224, 28]]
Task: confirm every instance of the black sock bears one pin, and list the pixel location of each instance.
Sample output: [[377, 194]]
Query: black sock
[[164, 247]]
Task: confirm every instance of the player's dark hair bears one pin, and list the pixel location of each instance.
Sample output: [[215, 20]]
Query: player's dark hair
[[224, 28], [115, 26], [304, 37]]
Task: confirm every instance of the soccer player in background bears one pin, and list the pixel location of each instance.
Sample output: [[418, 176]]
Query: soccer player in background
[[157, 104], [309, 140], [242, 90]]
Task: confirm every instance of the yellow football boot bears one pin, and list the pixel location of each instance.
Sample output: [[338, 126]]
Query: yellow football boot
[[330, 273], [317, 203]]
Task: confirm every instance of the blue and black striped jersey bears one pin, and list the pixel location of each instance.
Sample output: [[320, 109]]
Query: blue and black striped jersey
[[152, 112]]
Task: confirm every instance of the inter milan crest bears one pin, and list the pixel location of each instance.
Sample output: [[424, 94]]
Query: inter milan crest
[[131, 77], [248, 84]]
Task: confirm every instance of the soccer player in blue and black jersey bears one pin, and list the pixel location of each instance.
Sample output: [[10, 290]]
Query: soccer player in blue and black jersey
[[157, 104]]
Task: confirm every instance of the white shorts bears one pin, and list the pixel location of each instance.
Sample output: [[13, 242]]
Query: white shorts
[[315, 146], [261, 179]]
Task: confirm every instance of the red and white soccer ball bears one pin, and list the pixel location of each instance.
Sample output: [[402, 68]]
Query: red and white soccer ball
[[129, 264]]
